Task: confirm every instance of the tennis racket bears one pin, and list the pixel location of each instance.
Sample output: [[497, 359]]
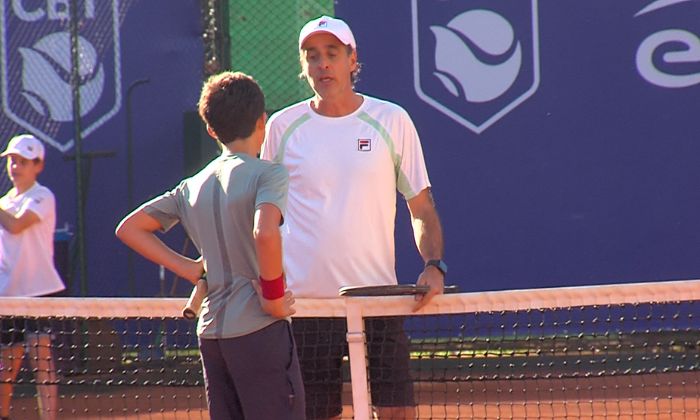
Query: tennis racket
[[391, 290], [194, 303]]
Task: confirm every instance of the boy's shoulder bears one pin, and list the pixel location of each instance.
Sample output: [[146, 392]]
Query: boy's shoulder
[[270, 171], [254, 164], [39, 191], [270, 167]]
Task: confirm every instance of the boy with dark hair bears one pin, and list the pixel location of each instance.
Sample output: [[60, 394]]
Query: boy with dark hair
[[232, 210]]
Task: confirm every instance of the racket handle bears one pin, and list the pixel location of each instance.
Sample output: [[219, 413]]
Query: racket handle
[[194, 303]]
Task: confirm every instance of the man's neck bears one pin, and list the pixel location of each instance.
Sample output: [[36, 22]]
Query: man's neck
[[337, 106]]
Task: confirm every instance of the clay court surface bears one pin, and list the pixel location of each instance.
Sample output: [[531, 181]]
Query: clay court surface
[[623, 397]]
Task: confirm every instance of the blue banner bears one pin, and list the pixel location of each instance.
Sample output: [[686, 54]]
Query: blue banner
[[561, 137], [146, 54]]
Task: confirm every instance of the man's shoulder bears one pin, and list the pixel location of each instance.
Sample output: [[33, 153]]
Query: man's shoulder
[[290, 113], [379, 106]]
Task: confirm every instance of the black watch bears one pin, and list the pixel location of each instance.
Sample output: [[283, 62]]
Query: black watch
[[439, 264]]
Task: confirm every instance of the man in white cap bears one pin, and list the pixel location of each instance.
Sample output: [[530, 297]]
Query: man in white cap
[[347, 154], [27, 224]]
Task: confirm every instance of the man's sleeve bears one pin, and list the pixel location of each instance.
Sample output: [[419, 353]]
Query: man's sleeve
[[272, 187], [412, 174], [166, 209], [272, 140]]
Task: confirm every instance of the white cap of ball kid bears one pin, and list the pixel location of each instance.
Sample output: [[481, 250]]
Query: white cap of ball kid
[[25, 145]]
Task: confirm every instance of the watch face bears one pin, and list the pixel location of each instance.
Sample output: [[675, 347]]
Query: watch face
[[442, 266]]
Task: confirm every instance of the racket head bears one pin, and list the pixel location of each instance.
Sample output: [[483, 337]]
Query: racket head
[[390, 290]]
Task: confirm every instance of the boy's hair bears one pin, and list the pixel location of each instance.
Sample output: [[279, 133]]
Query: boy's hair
[[230, 104]]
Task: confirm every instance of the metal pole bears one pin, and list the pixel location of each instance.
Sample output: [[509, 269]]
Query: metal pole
[[80, 193], [357, 352], [131, 276]]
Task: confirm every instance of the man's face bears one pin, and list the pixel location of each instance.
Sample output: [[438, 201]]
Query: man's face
[[327, 65]]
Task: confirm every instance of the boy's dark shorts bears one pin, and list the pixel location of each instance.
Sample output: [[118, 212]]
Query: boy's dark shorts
[[322, 343], [255, 376]]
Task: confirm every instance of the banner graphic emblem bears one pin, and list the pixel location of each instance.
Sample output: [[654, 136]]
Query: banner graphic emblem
[[36, 67], [475, 61]]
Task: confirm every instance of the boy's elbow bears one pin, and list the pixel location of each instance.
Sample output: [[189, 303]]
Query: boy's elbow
[[123, 230], [266, 236], [119, 233]]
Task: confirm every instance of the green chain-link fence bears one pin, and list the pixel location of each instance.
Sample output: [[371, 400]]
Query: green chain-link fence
[[263, 43]]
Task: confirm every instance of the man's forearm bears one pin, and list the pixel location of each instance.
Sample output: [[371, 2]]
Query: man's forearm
[[427, 232]]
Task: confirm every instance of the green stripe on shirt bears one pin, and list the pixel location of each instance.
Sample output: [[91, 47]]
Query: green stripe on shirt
[[279, 157], [402, 183]]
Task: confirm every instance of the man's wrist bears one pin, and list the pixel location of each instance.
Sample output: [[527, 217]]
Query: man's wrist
[[437, 264]]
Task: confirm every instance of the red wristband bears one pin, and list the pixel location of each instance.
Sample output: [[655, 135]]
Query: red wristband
[[272, 289]]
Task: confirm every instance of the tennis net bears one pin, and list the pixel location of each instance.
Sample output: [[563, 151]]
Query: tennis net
[[615, 351]]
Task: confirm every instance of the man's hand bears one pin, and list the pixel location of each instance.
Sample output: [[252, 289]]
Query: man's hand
[[432, 277], [427, 232], [278, 308]]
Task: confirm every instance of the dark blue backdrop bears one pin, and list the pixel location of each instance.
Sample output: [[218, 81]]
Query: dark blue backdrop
[[160, 41], [581, 171], [591, 179]]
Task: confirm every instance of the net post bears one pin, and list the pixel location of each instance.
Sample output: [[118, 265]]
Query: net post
[[361, 403]]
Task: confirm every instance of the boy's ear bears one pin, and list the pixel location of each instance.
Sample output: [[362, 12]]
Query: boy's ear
[[260, 123], [39, 164], [211, 133]]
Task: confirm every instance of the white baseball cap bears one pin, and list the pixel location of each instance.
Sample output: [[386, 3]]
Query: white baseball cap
[[330, 25], [25, 145]]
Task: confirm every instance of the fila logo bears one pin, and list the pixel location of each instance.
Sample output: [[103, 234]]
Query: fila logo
[[364, 145]]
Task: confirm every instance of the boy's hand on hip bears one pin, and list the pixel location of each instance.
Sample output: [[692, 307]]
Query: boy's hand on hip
[[192, 270], [278, 308]]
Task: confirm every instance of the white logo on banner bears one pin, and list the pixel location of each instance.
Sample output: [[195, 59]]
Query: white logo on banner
[[648, 48], [477, 70], [46, 76], [478, 81]]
